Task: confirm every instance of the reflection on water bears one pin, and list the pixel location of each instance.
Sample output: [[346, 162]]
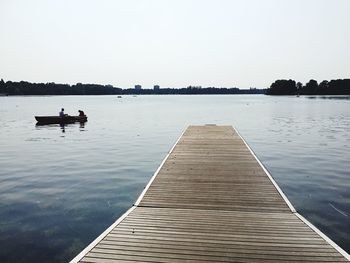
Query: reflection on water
[[334, 97], [61, 186], [62, 126]]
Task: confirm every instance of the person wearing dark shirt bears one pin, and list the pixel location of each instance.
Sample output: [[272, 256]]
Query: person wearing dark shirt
[[61, 113]]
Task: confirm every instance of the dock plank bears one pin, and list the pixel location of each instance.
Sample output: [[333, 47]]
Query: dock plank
[[212, 201]]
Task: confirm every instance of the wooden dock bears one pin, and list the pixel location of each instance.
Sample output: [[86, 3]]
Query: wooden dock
[[212, 200]]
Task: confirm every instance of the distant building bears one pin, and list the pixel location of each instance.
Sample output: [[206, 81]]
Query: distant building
[[138, 87], [156, 88]]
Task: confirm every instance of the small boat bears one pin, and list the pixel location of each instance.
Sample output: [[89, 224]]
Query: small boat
[[60, 120], [119, 97]]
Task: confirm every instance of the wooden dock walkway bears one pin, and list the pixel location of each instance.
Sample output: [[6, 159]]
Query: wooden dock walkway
[[211, 200]]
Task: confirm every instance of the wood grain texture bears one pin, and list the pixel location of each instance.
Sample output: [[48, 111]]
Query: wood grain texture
[[211, 201]]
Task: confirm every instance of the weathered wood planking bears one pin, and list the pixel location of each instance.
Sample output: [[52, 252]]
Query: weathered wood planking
[[211, 200]]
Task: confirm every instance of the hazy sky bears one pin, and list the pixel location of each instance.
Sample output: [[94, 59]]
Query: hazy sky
[[247, 43]]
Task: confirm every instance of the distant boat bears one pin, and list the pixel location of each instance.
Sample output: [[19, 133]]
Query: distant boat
[[60, 120], [119, 97]]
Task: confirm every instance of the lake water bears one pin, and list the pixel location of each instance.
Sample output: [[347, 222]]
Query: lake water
[[60, 187]]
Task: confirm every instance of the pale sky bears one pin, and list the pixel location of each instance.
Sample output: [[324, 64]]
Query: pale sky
[[247, 43]]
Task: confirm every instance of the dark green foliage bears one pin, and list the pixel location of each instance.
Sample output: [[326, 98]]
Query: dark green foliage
[[339, 87], [282, 87], [288, 87], [193, 90], [310, 88], [27, 88]]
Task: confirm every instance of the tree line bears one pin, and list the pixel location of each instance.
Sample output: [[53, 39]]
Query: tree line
[[290, 87], [193, 90], [279, 87], [27, 88]]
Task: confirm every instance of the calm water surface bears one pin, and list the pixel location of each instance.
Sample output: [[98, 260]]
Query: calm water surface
[[60, 187]]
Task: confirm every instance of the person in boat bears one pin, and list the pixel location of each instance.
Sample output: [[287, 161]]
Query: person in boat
[[81, 113], [62, 113]]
